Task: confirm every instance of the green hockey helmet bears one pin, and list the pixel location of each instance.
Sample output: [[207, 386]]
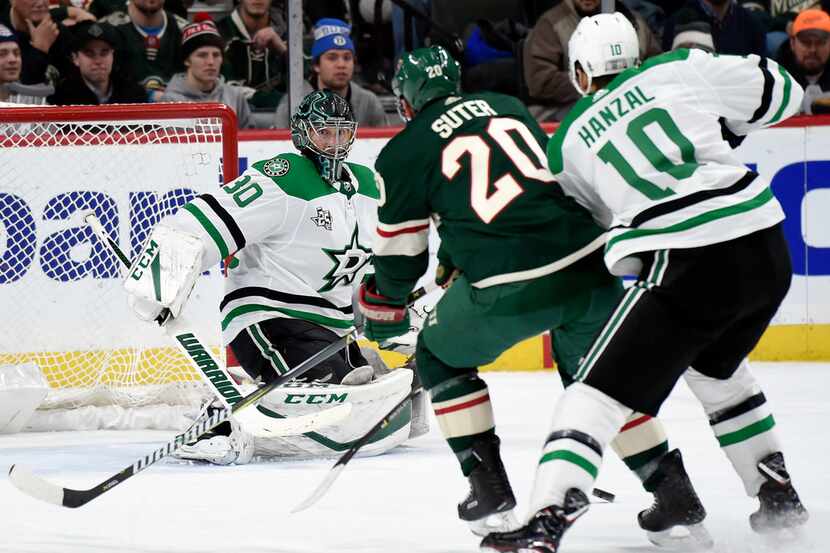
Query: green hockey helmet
[[425, 74], [323, 129]]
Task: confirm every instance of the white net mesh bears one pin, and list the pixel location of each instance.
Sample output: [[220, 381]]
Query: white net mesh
[[61, 299]]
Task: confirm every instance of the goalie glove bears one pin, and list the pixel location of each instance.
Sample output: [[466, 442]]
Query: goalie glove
[[385, 317], [162, 276]]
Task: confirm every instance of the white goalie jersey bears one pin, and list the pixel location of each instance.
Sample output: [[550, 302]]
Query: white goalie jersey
[[650, 155], [299, 244]]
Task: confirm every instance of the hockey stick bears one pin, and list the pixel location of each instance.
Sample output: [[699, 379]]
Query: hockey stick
[[338, 467], [29, 483], [35, 486], [213, 371]]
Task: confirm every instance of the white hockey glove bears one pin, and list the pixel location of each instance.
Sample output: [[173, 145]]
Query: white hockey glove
[[163, 275]]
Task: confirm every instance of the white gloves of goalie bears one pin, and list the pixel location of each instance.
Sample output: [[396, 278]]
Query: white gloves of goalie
[[162, 276]]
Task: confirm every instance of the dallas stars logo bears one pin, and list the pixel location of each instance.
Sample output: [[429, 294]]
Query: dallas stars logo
[[347, 263], [276, 167], [323, 218]]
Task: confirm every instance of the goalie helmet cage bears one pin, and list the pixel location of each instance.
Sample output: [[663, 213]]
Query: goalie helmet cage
[[61, 299]]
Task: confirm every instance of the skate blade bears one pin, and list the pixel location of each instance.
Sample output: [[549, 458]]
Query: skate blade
[[497, 522], [696, 538]]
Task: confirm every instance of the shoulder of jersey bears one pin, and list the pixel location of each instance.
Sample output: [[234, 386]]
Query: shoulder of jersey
[[293, 174], [367, 179]]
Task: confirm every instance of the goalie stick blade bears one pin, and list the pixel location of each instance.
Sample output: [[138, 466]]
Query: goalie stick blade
[[27, 482], [254, 421], [320, 490]]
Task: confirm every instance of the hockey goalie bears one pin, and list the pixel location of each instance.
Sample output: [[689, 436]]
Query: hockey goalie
[[299, 228]]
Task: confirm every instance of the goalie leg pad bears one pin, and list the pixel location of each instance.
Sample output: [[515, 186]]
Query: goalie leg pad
[[740, 419], [165, 271]]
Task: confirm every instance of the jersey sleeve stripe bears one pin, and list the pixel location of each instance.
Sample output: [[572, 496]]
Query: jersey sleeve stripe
[[283, 297], [766, 96], [212, 231], [785, 100], [387, 230], [409, 243], [226, 218]]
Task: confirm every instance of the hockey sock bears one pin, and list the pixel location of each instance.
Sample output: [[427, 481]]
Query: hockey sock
[[464, 413], [740, 419], [641, 444], [584, 422]]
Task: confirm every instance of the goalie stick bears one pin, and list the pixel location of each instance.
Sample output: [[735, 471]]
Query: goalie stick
[[39, 488], [213, 371]]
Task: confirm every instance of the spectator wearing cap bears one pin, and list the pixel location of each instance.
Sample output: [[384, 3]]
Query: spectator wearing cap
[[12, 91], [44, 44], [151, 37], [734, 29], [96, 78], [333, 58], [697, 34], [546, 61], [255, 51], [202, 48], [10, 61], [805, 55]]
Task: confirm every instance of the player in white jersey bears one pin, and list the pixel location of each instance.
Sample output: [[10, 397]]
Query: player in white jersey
[[299, 229], [648, 151]]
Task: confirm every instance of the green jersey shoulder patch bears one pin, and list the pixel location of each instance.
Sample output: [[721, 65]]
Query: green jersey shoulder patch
[[366, 180], [295, 175]]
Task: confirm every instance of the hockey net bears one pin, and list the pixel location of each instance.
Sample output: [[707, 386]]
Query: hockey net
[[63, 307]]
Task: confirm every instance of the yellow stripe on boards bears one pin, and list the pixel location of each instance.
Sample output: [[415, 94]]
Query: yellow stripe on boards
[[779, 343]]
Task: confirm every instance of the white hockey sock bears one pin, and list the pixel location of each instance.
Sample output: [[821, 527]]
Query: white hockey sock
[[641, 444], [584, 421], [741, 421]]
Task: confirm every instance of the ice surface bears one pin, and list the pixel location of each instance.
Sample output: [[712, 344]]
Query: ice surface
[[403, 501]]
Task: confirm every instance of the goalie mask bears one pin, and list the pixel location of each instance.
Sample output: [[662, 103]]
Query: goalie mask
[[424, 75], [604, 44], [323, 129]]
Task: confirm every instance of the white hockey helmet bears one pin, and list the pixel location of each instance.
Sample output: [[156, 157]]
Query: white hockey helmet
[[603, 44]]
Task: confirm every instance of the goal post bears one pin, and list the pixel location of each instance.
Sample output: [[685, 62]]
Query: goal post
[[62, 306]]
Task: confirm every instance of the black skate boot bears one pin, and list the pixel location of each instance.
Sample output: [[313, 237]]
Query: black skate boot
[[490, 491], [675, 504], [780, 506], [544, 531]]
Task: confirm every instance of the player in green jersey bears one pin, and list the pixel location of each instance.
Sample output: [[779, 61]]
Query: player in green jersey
[[648, 151], [528, 260]]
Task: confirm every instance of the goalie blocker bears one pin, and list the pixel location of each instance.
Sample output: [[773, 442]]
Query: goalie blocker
[[164, 273]]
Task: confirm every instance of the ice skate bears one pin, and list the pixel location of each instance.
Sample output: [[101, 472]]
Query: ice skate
[[489, 505], [676, 505], [544, 531], [781, 508], [236, 448]]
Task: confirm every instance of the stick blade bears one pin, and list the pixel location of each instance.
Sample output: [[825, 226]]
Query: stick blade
[[261, 425], [320, 490], [27, 482]]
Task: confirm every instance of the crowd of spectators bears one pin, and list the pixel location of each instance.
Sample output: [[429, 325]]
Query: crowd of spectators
[[119, 51]]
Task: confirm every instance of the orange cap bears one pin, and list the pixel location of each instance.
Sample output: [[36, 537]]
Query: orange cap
[[812, 20]]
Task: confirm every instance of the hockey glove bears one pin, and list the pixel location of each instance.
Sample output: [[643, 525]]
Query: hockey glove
[[446, 274], [385, 317]]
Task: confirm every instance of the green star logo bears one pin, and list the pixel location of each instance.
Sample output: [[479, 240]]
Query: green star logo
[[347, 262]]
